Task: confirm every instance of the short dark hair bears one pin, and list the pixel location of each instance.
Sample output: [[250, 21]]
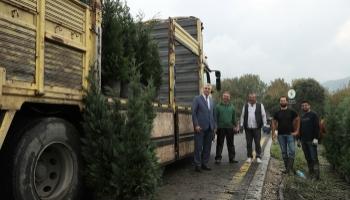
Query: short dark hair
[[305, 101], [283, 97]]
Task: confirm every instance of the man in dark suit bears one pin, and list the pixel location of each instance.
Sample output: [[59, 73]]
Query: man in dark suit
[[204, 126]]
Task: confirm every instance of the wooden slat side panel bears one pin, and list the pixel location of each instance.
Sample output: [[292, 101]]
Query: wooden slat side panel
[[66, 13], [160, 34], [17, 51], [186, 69], [30, 4], [63, 66]]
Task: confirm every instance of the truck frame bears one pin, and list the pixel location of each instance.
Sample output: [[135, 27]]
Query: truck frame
[[47, 49]]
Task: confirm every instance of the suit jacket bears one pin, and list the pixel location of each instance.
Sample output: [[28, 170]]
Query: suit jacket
[[201, 115]]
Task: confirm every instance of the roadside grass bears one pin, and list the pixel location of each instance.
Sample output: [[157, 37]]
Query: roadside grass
[[331, 186]]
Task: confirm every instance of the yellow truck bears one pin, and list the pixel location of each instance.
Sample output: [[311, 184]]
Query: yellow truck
[[47, 48]]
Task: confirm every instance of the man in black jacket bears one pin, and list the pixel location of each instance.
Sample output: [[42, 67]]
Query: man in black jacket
[[309, 135]]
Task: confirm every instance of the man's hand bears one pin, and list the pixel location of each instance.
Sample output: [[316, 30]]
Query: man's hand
[[236, 129], [198, 129], [241, 129], [274, 136], [315, 141], [299, 143], [295, 133]]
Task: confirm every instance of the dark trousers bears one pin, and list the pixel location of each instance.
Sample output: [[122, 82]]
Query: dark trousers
[[202, 147], [227, 133], [310, 153], [250, 135]]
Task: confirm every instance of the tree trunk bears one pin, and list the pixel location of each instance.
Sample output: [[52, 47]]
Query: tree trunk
[[124, 89]]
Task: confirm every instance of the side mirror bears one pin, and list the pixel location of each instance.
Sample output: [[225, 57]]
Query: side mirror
[[218, 80]]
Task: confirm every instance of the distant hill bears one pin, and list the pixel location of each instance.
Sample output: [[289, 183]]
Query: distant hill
[[334, 85]]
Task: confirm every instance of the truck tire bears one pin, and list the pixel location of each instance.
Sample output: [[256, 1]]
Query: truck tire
[[46, 162]]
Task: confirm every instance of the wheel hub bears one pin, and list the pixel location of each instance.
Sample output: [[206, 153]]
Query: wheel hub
[[53, 171]]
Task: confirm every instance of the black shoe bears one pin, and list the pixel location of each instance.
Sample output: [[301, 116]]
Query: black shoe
[[217, 162], [197, 169], [204, 167], [233, 161]]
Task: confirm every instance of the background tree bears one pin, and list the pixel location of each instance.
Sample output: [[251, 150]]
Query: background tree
[[274, 91], [311, 90], [240, 88]]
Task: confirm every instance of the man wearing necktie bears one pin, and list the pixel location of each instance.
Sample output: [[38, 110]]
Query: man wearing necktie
[[204, 126]]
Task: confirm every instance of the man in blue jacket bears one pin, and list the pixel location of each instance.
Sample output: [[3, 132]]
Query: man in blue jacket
[[204, 126]]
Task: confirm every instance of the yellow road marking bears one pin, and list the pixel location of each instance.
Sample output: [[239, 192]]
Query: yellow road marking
[[237, 178]]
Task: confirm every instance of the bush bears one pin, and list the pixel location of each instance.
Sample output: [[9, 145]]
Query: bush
[[120, 159], [338, 131]]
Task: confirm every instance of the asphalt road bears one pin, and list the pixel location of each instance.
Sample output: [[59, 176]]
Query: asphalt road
[[225, 181]]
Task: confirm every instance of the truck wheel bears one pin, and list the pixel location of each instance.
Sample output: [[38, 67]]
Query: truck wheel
[[46, 162]]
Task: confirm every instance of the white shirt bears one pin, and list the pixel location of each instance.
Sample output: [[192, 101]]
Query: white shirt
[[251, 116], [206, 98]]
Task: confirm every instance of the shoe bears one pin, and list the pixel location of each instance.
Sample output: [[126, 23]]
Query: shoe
[[204, 167], [249, 160], [233, 161], [217, 162], [258, 160], [197, 169]]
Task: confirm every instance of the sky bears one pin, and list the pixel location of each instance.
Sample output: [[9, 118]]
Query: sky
[[271, 38]]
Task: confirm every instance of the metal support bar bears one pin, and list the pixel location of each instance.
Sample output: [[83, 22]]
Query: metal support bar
[[171, 61], [5, 125], [2, 79], [186, 39], [200, 55], [40, 46]]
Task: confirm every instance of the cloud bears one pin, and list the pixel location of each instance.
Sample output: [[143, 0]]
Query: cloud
[[272, 38], [342, 38]]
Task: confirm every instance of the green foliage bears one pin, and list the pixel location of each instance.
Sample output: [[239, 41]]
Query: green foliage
[[299, 162], [147, 54], [338, 131], [118, 33], [274, 91], [239, 89], [276, 151], [330, 186], [126, 41], [311, 90], [120, 159], [103, 127], [141, 173]]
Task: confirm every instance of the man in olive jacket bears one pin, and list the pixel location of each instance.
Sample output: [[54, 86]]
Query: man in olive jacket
[[226, 127]]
